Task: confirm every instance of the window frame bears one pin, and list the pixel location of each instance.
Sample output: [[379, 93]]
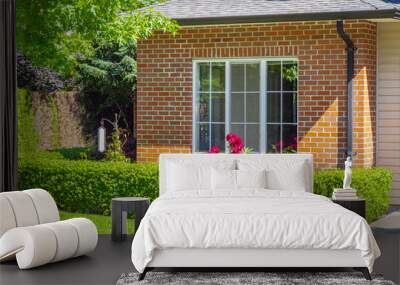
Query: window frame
[[263, 90]]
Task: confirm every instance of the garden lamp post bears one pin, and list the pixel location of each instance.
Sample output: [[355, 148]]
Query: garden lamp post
[[101, 132], [101, 138]]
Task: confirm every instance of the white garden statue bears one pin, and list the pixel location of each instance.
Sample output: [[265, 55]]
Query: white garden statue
[[347, 173]]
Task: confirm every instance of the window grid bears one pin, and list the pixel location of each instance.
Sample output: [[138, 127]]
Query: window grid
[[210, 123], [210, 105], [281, 93], [227, 101], [244, 92], [281, 115], [263, 93]]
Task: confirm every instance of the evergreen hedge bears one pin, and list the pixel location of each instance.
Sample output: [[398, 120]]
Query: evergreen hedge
[[88, 186], [372, 184]]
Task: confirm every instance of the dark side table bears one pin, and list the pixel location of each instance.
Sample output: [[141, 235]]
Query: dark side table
[[120, 207], [356, 205]]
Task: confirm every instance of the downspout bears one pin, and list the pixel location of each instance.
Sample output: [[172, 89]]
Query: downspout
[[350, 48]]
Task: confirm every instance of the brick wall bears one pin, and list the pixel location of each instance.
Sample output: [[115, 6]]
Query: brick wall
[[164, 80]]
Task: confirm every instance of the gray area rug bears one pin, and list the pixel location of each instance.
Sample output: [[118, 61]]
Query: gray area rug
[[236, 278]]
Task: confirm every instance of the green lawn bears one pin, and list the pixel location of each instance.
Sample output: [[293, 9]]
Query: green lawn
[[103, 223]]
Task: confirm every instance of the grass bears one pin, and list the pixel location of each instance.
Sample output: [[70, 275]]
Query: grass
[[103, 223]]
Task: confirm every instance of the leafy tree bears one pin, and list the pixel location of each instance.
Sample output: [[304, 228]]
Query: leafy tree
[[108, 83], [93, 41], [58, 33]]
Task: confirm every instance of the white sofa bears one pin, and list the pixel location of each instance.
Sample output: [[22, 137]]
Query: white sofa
[[31, 231]]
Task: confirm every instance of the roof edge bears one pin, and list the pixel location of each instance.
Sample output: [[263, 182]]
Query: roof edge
[[347, 15], [397, 14]]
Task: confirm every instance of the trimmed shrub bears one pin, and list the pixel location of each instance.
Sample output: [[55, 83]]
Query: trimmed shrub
[[88, 186], [372, 184], [75, 152]]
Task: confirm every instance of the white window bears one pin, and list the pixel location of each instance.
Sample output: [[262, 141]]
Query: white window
[[255, 98]]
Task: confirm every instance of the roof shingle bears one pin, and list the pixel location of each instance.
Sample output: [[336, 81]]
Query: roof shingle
[[192, 11]]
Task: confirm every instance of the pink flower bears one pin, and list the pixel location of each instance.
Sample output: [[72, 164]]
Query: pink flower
[[229, 136], [233, 139], [214, 149], [235, 143], [237, 148]]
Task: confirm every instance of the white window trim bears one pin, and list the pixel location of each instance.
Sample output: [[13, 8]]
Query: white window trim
[[263, 98]]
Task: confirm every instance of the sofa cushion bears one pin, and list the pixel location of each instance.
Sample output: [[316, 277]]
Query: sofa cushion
[[7, 220], [23, 208], [26, 208], [45, 205], [41, 244], [67, 239]]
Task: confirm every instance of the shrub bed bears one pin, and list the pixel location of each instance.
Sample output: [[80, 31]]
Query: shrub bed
[[372, 184], [88, 186], [75, 153]]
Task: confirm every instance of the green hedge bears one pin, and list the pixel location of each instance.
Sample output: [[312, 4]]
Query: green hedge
[[75, 153], [373, 184], [88, 186]]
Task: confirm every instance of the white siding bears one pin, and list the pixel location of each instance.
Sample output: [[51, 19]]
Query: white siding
[[388, 102]]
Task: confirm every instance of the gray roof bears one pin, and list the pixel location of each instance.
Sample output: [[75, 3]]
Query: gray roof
[[236, 11]]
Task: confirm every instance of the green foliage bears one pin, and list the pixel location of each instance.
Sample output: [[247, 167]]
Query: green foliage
[[111, 67], [75, 153], [28, 139], [114, 149], [108, 83], [55, 126], [103, 223], [247, 150], [42, 155], [88, 186], [372, 184], [58, 33], [290, 73]]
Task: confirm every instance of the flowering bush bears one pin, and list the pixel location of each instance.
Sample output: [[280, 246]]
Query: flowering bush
[[235, 145], [214, 149], [281, 145]]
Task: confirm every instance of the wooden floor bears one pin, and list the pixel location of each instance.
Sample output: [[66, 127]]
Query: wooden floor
[[103, 266]]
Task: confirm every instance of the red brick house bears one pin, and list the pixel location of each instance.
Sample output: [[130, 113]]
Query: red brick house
[[275, 72]]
